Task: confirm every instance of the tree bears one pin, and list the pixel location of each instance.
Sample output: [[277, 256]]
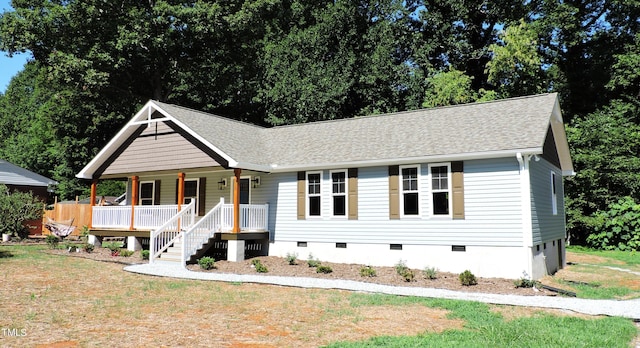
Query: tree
[[458, 33], [16, 208], [516, 65], [346, 58], [451, 88]]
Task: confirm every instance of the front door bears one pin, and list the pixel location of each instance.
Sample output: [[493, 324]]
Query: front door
[[244, 190]]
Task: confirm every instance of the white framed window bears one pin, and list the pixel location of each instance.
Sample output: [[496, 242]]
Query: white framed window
[[554, 194], [314, 194], [339, 193], [410, 200], [146, 195], [440, 183]]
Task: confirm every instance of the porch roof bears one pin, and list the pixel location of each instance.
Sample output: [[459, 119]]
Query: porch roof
[[469, 131]]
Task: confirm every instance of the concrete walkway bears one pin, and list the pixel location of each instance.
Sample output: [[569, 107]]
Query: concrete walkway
[[627, 309]]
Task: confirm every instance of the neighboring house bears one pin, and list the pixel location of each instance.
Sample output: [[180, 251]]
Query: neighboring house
[[23, 180], [475, 186]]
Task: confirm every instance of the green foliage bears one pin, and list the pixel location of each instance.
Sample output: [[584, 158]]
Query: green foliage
[[88, 247], [52, 241], [16, 208], [114, 247], [453, 87], [126, 252], [467, 278], [516, 64], [260, 268], [618, 228], [605, 147], [207, 263], [292, 258], [525, 283], [367, 271], [405, 272], [70, 247], [324, 269], [144, 254], [430, 273], [312, 262]]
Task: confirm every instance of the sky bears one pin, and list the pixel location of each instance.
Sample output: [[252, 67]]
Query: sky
[[9, 67]]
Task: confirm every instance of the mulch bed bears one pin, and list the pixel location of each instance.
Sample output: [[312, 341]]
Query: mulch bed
[[278, 266]]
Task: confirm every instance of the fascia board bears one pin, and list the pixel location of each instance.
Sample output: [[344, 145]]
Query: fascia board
[[409, 160], [560, 136]]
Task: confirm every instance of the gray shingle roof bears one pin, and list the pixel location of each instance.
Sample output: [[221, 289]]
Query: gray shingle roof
[[11, 174], [498, 126]]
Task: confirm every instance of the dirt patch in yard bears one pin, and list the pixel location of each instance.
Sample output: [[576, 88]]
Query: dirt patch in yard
[[69, 301]]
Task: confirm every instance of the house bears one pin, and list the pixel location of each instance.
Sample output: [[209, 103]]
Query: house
[[475, 186], [23, 180]]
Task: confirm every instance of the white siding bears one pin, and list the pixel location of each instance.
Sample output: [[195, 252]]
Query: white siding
[[492, 209]]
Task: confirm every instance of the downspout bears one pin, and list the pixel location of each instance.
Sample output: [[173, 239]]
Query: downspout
[[527, 223]]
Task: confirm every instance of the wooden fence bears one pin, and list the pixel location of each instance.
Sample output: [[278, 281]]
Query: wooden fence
[[80, 213]]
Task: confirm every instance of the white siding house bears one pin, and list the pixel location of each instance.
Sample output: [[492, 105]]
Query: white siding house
[[475, 186]]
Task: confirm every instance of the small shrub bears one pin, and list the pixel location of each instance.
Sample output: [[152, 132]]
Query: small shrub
[[405, 272], [144, 254], [367, 271], [400, 267], [84, 234], [70, 247], [408, 275], [114, 247], [260, 268], [467, 278], [430, 273], [313, 262], [524, 283], [125, 252], [88, 247], [292, 258], [323, 269], [52, 241], [207, 263]]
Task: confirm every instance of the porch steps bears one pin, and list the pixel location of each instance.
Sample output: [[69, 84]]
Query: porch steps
[[174, 252]]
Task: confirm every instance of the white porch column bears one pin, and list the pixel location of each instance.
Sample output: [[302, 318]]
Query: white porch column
[[235, 250], [133, 243]]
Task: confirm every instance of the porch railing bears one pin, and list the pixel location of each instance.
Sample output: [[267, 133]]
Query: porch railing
[[144, 216], [167, 234], [201, 231]]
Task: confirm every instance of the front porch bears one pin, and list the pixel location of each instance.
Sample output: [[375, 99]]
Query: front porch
[[177, 233]]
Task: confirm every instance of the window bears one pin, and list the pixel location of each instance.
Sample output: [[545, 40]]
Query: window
[[339, 193], [410, 198], [314, 181], [147, 190], [440, 189], [554, 194]]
